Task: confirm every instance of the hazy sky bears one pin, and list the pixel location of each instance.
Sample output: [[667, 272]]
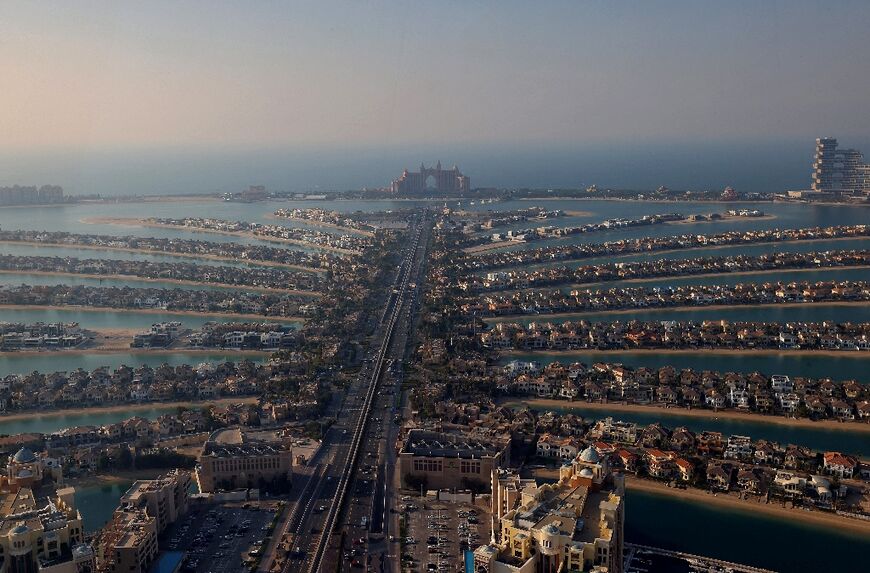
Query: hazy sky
[[110, 75]]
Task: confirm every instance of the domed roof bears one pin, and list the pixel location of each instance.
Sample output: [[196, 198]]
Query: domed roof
[[590, 455], [19, 529], [552, 530], [24, 456], [586, 473]]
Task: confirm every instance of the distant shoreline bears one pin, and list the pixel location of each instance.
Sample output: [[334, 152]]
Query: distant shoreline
[[120, 277], [860, 354], [581, 314], [182, 313], [502, 244], [698, 248], [676, 411], [134, 222], [349, 230], [678, 277], [692, 201], [132, 407], [814, 517], [101, 351], [255, 262]]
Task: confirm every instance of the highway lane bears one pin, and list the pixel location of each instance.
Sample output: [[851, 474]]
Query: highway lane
[[311, 532], [380, 434]]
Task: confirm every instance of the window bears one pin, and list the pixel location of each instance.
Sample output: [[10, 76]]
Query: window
[[469, 467], [425, 465]]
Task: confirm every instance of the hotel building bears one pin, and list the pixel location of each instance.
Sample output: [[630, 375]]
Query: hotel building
[[40, 528], [441, 181], [574, 525], [839, 170]]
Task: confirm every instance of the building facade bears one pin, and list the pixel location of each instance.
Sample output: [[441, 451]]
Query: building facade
[[839, 170], [128, 543], [448, 461], [431, 179], [225, 466], [40, 533], [165, 498]]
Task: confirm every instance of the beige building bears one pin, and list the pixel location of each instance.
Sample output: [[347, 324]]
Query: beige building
[[165, 498], [128, 543], [436, 179], [26, 469], [39, 533], [246, 464], [449, 461], [574, 525]]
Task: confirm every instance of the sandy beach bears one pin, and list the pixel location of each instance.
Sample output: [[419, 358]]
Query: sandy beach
[[476, 250], [163, 281], [631, 281], [580, 315], [20, 415], [257, 262], [720, 275], [502, 244], [115, 341], [725, 218], [133, 222], [719, 351], [179, 313], [693, 413], [323, 224], [687, 250], [814, 517]]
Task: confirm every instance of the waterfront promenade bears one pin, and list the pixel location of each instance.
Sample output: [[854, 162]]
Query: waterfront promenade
[[700, 564]]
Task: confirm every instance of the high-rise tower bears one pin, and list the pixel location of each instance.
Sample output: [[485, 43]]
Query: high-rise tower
[[839, 170]]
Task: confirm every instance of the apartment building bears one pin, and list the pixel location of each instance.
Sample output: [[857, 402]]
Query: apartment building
[[165, 498], [128, 543]]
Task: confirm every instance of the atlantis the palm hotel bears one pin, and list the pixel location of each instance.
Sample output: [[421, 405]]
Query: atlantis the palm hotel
[[574, 525]]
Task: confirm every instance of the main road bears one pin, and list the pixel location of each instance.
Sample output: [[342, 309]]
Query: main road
[[345, 496]]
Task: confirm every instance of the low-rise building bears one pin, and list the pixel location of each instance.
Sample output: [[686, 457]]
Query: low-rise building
[[437, 460], [245, 464], [839, 465]]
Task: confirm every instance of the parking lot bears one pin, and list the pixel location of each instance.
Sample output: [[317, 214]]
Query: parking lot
[[218, 539], [438, 534]]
